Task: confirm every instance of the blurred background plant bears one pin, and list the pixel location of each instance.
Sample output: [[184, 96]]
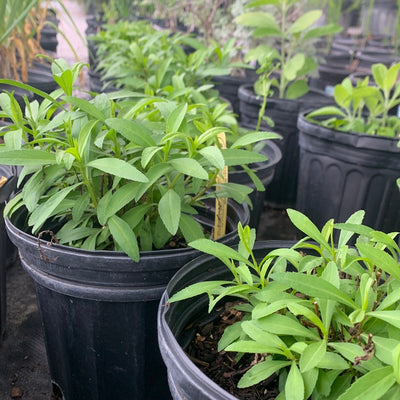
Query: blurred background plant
[[17, 44]]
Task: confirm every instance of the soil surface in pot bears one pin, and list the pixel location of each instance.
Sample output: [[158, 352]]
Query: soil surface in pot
[[222, 367]]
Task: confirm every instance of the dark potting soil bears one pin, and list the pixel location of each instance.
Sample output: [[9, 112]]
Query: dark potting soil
[[222, 367]]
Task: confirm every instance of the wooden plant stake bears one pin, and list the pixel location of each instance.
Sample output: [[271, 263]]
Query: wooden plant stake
[[221, 204]]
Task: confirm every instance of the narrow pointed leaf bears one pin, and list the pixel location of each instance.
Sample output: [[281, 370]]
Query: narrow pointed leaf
[[169, 209], [189, 166], [132, 130], [294, 387], [27, 157], [314, 286], [261, 371], [45, 210], [371, 386], [124, 236], [117, 167]]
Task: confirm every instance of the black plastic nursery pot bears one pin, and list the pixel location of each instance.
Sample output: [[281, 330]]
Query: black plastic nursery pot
[[98, 312], [282, 190], [7, 250], [342, 172], [177, 323], [382, 19], [265, 172]]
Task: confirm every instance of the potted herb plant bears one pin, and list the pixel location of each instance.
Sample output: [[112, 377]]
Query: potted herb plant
[[135, 56], [281, 90], [114, 189], [275, 320], [213, 22], [349, 156]]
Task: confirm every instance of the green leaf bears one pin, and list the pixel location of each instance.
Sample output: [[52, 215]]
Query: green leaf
[[261, 371], [310, 378], [219, 250], [393, 393], [256, 3], [345, 236], [329, 29], [45, 210], [371, 386], [80, 206], [380, 258], [253, 330], [285, 325], [133, 131], [102, 207], [305, 225], [379, 72], [348, 350], [305, 21], [294, 65], [117, 167], [294, 386], [391, 317], [39, 183], [357, 316], [84, 136], [238, 157], [254, 137], [189, 166], [298, 309], [384, 349], [332, 361], [148, 153], [71, 235], [297, 89], [124, 236], [312, 355], [169, 209], [314, 286], [191, 229], [85, 106], [389, 300], [26, 157], [213, 156], [328, 110], [176, 118], [31, 89], [197, 289], [249, 346], [13, 139], [235, 191], [231, 333], [262, 310], [120, 198], [257, 19]]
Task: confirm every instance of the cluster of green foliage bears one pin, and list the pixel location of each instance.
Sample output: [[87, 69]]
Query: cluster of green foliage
[[365, 106], [287, 54], [120, 171], [323, 317], [137, 56]]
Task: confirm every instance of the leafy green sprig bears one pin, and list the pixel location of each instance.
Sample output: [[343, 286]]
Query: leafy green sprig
[[288, 54], [322, 316], [365, 106]]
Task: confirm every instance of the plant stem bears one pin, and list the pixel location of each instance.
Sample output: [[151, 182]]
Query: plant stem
[[282, 83]]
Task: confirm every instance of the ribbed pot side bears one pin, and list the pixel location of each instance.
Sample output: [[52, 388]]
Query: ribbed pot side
[[98, 311], [342, 172]]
